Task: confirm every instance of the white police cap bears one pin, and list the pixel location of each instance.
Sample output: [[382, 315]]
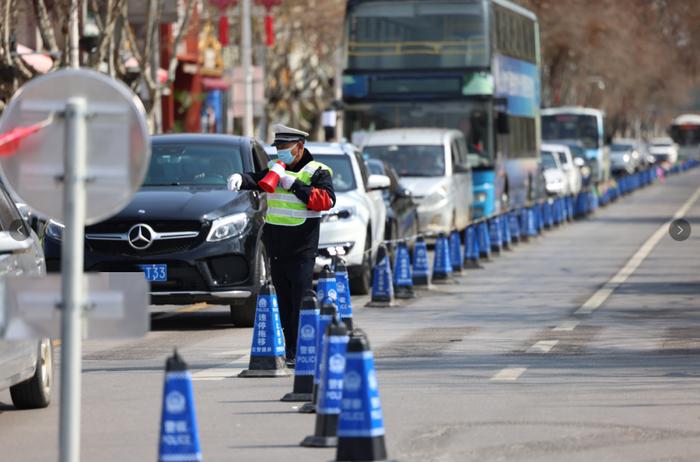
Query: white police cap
[[284, 134]]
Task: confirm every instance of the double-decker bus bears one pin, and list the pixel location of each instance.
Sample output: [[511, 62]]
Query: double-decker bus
[[473, 65], [685, 131], [585, 125]]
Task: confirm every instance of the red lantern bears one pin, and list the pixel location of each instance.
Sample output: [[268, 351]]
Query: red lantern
[[222, 5], [269, 20]]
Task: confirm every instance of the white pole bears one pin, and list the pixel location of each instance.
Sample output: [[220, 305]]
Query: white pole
[[247, 58], [72, 271], [74, 36]]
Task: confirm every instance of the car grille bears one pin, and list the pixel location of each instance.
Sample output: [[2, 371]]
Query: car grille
[[162, 247], [163, 226], [158, 247]]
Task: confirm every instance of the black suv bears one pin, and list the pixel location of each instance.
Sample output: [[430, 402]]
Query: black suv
[[194, 240]]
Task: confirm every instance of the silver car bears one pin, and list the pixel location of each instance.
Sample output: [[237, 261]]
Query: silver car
[[25, 366]]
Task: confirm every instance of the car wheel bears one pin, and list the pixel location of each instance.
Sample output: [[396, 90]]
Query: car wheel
[[35, 392], [243, 315], [362, 283]]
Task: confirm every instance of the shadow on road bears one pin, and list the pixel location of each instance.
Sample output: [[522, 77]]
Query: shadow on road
[[210, 320]]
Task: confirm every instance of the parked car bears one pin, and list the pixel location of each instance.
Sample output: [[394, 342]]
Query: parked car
[[401, 209], [586, 166], [625, 156], [567, 165], [433, 164], [26, 366], [357, 222], [194, 240], [556, 180], [664, 151]]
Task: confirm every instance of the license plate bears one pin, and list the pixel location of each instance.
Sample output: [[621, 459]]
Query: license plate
[[155, 273]]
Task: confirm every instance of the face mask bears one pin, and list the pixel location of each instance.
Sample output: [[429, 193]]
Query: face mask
[[286, 156]]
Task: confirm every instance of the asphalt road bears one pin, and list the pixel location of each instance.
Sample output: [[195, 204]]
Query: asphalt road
[[580, 345]]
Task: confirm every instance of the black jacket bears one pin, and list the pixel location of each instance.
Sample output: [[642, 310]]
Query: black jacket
[[294, 241]]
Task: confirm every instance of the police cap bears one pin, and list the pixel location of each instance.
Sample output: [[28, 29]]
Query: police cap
[[284, 134]]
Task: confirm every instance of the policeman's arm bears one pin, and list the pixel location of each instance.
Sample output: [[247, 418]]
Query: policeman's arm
[[250, 180], [319, 195]]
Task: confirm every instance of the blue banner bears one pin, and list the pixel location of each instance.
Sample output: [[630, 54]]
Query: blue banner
[[326, 290], [519, 82], [268, 339], [179, 439], [361, 410], [330, 391], [306, 343]]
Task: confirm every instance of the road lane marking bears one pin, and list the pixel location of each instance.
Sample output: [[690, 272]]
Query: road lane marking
[[602, 294], [186, 309], [566, 326], [543, 346], [509, 374]]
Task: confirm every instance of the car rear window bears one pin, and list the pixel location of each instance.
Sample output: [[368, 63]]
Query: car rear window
[[343, 176], [193, 164]]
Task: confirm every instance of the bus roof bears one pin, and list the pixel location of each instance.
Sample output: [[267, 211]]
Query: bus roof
[[686, 119], [572, 110]]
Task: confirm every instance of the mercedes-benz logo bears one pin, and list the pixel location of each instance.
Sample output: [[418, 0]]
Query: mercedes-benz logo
[[141, 236]]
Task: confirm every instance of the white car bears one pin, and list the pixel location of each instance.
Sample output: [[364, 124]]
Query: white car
[[555, 179], [356, 223], [433, 164], [567, 165], [664, 151]]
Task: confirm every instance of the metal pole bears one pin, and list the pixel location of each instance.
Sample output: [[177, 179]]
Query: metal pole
[[247, 58], [155, 66], [72, 271], [74, 32]]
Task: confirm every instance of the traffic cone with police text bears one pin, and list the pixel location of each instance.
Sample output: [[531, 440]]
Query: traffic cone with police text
[[442, 266], [305, 367], [342, 281], [456, 252], [403, 279], [382, 281], [179, 434], [267, 355], [471, 248], [328, 312], [421, 269]]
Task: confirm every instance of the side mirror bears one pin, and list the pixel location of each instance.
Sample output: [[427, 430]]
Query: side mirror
[[378, 182], [25, 211], [579, 162], [502, 124]]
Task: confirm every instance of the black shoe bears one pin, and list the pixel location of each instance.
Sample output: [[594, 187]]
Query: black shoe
[[291, 362]]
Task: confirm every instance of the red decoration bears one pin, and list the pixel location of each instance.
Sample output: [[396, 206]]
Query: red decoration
[[269, 31], [9, 142], [223, 29]]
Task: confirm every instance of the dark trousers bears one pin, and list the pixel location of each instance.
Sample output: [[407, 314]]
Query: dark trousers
[[291, 277]]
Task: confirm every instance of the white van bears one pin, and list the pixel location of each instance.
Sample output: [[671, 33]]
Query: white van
[[433, 165]]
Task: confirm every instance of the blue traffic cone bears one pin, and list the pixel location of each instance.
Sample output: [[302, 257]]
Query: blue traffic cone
[[558, 214], [505, 231], [471, 248], [594, 201], [525, 222], [267, 354], [546, 215], [442, 266], [361, 422], [330, 391], [514, 224], [484, 241], [421, 268], [540, 217], [570, 208], [305, 367], [327, 287], [495, 235], [382, 281], [179, 434], [342, 281], [456, 252], [403, 279], [329, 311]]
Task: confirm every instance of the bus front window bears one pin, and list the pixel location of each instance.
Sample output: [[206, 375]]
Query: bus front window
[[581, 127], [416, 35]]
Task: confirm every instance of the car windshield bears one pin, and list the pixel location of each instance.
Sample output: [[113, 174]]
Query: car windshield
[[548, 160], [193, 164], [411, 160], [343, 176], [621, 147]]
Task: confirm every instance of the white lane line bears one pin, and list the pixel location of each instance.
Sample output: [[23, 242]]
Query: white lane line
[[509, 374], [543, 346], [602, 294], [566, 326]]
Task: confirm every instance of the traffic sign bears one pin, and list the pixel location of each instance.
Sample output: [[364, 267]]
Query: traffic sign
[[117, 143]]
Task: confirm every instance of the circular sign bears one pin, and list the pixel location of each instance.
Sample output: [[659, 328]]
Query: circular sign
[[308, 332], [117, 145], [262, 303], [337, 363], [352, 381], [175, 402]]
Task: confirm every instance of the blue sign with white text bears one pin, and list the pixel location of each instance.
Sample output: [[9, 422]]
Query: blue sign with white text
[[179, 439], [268, 339], [330, 390], [361, 410], [306, 343], [519, 81]]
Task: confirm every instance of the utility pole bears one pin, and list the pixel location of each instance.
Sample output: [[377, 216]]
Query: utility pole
[[247, 60]]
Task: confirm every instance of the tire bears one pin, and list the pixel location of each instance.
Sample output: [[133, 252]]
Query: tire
[[243, 315], [35, 392], [361, 284]]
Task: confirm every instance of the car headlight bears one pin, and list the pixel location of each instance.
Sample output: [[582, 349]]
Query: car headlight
[[585, 171], [480, 197], [626, 158], [227, 227], [341, 214], [54, 230]]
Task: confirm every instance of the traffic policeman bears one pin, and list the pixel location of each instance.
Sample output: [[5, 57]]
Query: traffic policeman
[[292, 223]]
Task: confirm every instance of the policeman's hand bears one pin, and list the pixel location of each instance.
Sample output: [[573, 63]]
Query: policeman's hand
[[234, 182], [286, 181]]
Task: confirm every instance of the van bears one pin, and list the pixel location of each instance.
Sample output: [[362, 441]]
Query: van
[[432, 163]]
